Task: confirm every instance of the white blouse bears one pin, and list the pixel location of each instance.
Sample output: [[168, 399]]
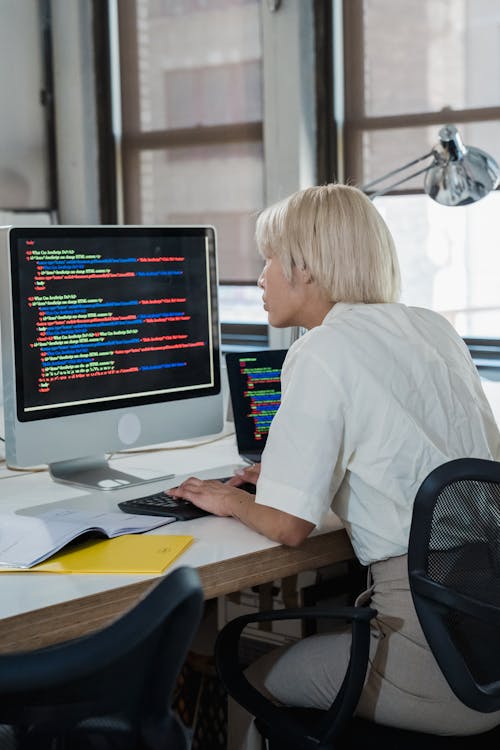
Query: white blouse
[[373, 399]]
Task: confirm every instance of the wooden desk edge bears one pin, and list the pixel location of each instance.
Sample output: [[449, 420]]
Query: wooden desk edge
[[77, 617]]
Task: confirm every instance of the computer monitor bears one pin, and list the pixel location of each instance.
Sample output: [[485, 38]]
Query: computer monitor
[[110, 340]]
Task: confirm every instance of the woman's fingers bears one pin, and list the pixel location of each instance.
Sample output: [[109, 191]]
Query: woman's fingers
[[245, 474]]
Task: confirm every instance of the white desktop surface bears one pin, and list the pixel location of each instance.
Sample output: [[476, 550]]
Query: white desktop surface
[[215, 539]]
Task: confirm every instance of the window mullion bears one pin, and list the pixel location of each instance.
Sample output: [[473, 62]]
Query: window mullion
[[159, 139], [416, 119]]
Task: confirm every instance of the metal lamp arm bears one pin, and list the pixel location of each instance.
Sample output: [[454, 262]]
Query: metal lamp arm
[[393, 185], [367, 188], [456, 175]]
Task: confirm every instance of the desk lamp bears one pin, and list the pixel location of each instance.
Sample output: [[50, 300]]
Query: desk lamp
[[456, 176]]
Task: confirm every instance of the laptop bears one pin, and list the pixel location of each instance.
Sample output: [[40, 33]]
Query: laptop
[[255, 390]]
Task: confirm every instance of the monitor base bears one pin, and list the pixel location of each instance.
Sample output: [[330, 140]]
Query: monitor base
[[95, 473]]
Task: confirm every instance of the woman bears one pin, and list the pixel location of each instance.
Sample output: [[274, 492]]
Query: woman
[[374, 396]]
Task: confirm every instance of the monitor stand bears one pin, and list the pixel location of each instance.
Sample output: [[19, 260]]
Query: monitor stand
[[95, 473]]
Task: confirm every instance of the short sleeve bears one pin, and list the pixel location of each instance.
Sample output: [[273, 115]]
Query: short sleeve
[[302, 463]]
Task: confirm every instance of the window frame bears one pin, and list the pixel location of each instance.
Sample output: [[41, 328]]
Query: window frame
[[288, 128], [357, 122], [347, 121], [134, 140]]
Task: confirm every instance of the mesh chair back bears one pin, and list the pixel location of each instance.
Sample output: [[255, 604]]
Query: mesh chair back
[[454, 570]]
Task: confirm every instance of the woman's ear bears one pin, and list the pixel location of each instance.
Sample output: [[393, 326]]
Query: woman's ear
[[305, 275]]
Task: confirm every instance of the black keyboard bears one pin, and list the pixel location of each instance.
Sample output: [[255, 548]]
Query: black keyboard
[[162, 504]]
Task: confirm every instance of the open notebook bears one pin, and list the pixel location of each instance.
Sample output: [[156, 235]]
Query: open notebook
[[255, 389]]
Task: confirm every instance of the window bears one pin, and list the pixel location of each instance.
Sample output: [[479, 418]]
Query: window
[[410, 68], [192, 140], [217, 118]]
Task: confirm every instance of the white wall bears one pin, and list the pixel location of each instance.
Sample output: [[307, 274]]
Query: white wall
[[23, 155]]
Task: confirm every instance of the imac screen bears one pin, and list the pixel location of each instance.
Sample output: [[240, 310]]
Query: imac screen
[[112, 319]]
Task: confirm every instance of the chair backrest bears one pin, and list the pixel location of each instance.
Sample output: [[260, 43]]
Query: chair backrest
[[124, 674], [454, 572]]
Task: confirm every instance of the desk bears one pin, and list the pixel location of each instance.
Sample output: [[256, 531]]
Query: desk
[[38, 609]]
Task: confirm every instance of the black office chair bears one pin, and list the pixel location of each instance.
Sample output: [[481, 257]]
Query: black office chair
[[454, 572], [454, 568], [110, 689]]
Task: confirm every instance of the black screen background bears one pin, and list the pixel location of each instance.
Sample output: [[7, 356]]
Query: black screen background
[[195, 367], [244, 400]]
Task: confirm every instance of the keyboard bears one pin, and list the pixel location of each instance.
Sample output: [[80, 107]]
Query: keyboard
[[162, 504]]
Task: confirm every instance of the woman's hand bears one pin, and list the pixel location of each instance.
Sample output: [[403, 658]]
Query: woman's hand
[[210, 494], [246, 474], [227, 499]]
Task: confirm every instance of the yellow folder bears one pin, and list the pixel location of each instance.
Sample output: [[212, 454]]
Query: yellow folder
[[130, 553]]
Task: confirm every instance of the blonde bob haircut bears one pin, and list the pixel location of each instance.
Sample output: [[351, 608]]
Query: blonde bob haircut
[[335, 234]]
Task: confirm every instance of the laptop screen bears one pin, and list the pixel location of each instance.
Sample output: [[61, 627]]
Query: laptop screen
[[255, 388]]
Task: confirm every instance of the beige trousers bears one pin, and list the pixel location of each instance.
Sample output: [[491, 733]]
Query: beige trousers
[[404, 685]]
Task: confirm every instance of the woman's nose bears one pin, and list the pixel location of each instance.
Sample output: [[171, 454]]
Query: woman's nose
[[260, 280]]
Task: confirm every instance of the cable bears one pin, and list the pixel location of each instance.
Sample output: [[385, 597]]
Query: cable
[[19, 470], [133, 451], [125, 453]]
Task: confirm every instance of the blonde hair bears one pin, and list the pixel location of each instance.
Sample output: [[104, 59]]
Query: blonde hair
[[336, 234]]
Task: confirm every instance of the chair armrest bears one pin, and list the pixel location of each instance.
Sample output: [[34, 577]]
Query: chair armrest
[[273, 716], [423, 586]]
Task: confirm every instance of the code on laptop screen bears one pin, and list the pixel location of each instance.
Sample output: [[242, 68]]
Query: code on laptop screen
[[255, 385]]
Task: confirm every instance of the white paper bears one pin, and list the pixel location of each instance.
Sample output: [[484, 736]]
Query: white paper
[[27, 540]]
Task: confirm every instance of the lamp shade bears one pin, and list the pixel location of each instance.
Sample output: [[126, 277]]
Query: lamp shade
[[459, 174]]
